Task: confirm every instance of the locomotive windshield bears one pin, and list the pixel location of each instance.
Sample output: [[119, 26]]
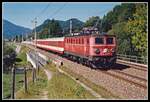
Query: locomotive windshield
[[109, 41], [99, 40]]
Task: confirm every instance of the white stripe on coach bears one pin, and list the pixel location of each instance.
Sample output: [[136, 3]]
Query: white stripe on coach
[[52, 39], [51, 47]]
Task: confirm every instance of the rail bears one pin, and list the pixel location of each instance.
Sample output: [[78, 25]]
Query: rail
[[136, 59]]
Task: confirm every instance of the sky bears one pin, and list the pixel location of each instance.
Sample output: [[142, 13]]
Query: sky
[[24, 12]]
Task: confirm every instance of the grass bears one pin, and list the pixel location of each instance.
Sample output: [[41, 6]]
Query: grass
[[21, 59], [11, 44], [99, 89], [63, 87], [59, 87], [34, 89], [7, 84]]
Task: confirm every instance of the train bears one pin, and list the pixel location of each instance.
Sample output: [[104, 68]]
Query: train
[[92, 49]]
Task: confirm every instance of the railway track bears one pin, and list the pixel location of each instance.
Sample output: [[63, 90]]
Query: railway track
[[139, 67], [116, 74], [138, 84], [143, 80]]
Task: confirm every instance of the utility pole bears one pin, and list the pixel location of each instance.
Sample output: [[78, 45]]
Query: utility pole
[[22, 37], [26, 36], [13, 82], [70, 26], [25, 79], [35, 40]]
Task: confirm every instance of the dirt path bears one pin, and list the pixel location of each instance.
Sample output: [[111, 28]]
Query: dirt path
[[44, 93], [18, 48], [48, 73]]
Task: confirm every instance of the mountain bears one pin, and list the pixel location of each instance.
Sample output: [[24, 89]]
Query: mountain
[[76, 24], [10, 30], [65, 25]]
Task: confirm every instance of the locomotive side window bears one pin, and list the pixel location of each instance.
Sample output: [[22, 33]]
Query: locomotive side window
[[99, 40], [82, 41], [79, 41], [87, 41], [76, 40], [109, 41]]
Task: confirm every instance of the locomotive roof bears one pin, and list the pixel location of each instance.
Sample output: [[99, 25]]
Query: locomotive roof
[[92, 35]]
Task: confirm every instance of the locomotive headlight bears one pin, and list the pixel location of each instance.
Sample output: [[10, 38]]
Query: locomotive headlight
[[97, 51], [105, 50], [113, 50]]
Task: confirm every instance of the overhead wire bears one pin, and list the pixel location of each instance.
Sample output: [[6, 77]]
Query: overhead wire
[[44, 9], [58, 10], [99, 19]]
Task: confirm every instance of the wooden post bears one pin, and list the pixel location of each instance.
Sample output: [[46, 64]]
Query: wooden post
[[13, 82], [38, 69], [33, 76], [25, 80], [35, 73]]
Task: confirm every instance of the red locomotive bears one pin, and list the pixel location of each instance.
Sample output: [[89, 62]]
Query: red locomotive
[[91, 49]]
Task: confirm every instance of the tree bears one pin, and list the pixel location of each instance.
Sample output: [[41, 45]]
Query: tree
[[138, 28], [16, 37], [92, 21], [123, 40], [51, 29], [120, 13]]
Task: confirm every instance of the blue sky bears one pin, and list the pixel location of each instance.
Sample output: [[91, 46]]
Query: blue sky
[[22, 13]]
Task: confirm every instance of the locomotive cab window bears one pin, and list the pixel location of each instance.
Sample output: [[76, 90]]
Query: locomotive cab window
[[109, 40], [99, 40]]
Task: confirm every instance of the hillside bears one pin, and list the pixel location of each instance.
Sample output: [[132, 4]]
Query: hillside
[[11, 30], [65, 25]]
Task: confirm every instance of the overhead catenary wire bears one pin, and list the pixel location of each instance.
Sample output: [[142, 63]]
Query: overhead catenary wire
[[58, 10], [42, 12], [99, 19]]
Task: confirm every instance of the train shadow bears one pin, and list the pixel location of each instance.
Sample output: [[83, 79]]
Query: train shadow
[[116, 66]]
